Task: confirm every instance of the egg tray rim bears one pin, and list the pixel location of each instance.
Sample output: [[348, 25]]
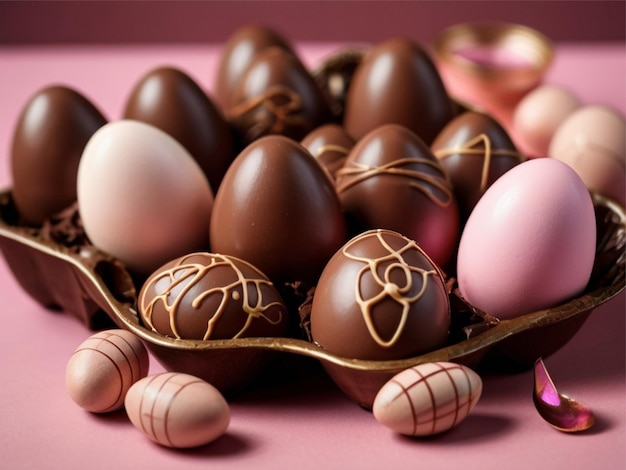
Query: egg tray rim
[[124, 315]]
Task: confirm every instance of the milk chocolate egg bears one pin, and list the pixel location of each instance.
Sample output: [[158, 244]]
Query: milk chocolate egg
[[50, 135], [330, 145], [239, 51], [103, 368], [177, 410], [142, 198], [171, 100], [392, 180], [397, 82], [277, 95], [428, 399], [211, 296], [475, 150], [380, 297], [530, 242], [592, 140], [278, 210]]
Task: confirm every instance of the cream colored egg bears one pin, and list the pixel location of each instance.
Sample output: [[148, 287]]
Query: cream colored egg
[[538, 116], [141, 196], [592, 141], [177, 410], [103, 368], [428, 398]]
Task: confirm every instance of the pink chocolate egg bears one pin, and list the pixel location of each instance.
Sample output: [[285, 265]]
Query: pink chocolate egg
[[529, 243], [103, 368], [428, 398], [177, 410]]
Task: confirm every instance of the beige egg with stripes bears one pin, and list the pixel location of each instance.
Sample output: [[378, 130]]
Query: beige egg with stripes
[[427, 399]]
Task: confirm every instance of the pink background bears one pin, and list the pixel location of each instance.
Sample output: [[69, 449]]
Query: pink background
[[308, 423]]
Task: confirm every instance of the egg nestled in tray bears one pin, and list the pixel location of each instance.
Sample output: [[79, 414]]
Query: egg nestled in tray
[[275, 245]]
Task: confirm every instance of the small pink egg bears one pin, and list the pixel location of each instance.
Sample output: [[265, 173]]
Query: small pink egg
[[538, 115], [103, 368], [428, 398], [177, 410], [529, 243], [592, 141]]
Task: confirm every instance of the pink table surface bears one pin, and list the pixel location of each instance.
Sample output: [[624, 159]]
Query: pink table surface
[[308, 423]]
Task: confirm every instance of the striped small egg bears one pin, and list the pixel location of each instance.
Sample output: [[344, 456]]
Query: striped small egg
[[177, 410], [103, 368], [428, 398]]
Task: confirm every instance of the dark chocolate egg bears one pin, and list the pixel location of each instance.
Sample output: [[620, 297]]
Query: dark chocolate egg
[[277, 208], [211, 296], [277, 95], [397, 82], [380, 298], [239, 51], [50, 135], [475, 150], [330, 145], [171, 100], [392, 180]]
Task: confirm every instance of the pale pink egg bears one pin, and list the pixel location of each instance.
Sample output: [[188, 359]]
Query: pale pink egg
[[529, 243], [428, 398], [177, 410]]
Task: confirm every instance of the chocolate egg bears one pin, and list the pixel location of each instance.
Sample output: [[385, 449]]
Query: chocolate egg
[[277, 209], [392, 180], [428, 399], [330, 145], [177, 410], [171, 100], [211, 296], [397, 82], [277, 95], [475, 150], [103, 368], [238, 53], [50, 135], [380, 297]]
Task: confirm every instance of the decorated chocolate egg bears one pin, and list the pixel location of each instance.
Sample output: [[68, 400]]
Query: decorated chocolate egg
[[397, 82], [428, 399], [177, 410], [48, 141], [475, 150], [211, 296], [392, 180], [330, 145], [171, 100], [103, 368], [380, 297], [278, 210]]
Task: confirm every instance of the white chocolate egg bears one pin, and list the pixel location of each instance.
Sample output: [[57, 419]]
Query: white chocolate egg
[[530, 242], [103, 368], [538, 116], [177, 410], [592, 141], [428, 399], [142, 198]]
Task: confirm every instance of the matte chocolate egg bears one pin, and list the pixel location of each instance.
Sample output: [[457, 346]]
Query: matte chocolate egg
[[211, 296], [171, 100], [50, 135], [397, 82], [330, 145], [475, 150], [238, 53], [277, 209], [277, 95], [103, 368], [380, 298], [392, 180]]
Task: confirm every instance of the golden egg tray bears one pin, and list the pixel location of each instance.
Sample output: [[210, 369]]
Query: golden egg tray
[[100, 292]]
